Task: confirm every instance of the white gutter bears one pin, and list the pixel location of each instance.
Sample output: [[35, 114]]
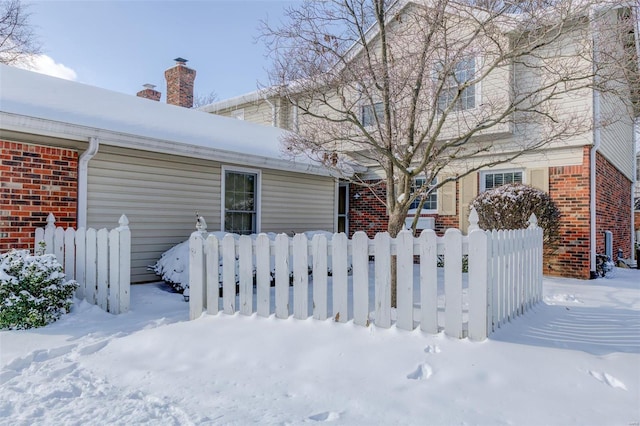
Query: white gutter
[[83, 171]]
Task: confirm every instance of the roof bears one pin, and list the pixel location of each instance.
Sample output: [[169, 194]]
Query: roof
[[34, 103]]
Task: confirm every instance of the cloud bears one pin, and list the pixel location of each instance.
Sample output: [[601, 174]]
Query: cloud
[[46, 65]]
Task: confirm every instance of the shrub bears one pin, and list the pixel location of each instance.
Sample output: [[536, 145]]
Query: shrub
[[33, 291], [510, 206]]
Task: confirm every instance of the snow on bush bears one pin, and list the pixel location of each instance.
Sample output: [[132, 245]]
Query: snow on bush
[[33, 290], [173, 265], [510, 206]]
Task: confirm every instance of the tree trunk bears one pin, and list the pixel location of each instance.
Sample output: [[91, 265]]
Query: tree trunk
[[396, 223]]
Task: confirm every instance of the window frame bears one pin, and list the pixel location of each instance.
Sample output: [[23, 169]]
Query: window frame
[[412, 211], [484, 173], [453, 85], [257, 194], [376, 110]]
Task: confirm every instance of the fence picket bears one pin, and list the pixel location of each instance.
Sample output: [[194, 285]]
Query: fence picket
[[90, 266], [125, 263], [282, 275], [382, 280], [58, 243], [245, 274], [228, 274], [263, 275], [339, 267], [114, 276], [478, 292], [81, 255], [320, 293], [102, 264], [69, 254], [300, 277], [429, 281], [212, 278], [453, 283], [360, 265], [404, 284]]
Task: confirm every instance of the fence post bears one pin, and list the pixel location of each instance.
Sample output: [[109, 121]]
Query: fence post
[[49, 231], [404, 286], [360, 262], [478, 287], [340, 277], [212, 275], [429, 281], [382, 279], [196, 275], [300, 277], [320, 268], [245, 274], [125, 264]]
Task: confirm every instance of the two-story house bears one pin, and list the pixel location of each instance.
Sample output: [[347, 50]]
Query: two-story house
[[589, 174]]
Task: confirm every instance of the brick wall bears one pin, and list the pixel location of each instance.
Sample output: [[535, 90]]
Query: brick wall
[[180, 80], [367, 213], [613, 196], [569, 188], [35, 181]]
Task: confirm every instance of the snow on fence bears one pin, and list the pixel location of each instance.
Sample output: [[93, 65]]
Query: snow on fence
[[504, 277], [100, 261]]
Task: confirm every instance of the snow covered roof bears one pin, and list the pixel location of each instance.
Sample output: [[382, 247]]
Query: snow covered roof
[[130, 121]]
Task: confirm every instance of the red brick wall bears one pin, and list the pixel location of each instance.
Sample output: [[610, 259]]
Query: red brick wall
[[613, 207], [35, 181], [569, 188]]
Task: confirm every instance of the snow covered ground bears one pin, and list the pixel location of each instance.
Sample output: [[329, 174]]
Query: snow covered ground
[[574, 359]]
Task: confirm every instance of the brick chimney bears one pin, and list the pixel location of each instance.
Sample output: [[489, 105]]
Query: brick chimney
[[180, 80], [149, 92]]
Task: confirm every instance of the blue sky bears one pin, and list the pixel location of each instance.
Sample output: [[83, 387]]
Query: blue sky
[[121, 45]]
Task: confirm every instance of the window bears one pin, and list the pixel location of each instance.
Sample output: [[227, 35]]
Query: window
[[368, 114], [430, 201], [240, 194], [238, 114], [463, 72], [492, 180]]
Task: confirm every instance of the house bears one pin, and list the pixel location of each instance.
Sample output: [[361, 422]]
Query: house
[[590, 175], [89, 155]]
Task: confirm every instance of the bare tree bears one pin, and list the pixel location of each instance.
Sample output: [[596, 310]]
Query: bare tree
[[18, 42], [202, 100], [438, 88]]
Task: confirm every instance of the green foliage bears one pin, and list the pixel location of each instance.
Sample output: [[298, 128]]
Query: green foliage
[[33, 290], [510, 206], [465, 262]]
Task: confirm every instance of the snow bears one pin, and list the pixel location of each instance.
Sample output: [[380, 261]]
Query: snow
[[573, 359], [35, 95]]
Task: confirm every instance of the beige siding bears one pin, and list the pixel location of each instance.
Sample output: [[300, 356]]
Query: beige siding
[[256, 112], [294, 202], [159, 194], [616, 135]]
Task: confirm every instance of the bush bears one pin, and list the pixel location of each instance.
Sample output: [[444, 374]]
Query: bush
[[510, 206], [33, 291]]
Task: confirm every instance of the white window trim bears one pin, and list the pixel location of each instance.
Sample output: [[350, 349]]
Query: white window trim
[[477, 64], [483, 173], [412, 212], [258, 199]]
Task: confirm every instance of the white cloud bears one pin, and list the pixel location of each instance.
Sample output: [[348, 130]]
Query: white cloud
[[46, 65]]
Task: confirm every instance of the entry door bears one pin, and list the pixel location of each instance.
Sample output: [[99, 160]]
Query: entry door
[[343, 208]]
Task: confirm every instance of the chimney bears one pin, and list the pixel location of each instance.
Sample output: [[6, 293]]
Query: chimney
[[149, 92], [180, 80]]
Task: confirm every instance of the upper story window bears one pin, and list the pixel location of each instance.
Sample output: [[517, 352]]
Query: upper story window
[[462, 72], [238, 114], [490, 180], [370, 112], [430, 201]]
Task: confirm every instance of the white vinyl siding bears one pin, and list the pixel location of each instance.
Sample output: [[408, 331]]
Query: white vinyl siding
[[160, 195], [295, 202]]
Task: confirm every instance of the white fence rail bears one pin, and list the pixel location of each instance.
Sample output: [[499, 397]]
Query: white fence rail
[[504, 277], [100, 261]]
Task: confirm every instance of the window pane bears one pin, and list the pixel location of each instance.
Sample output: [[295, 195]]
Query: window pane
[[240, 208]]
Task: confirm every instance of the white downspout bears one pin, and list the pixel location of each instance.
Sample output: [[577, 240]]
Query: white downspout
[[274, 121], [83, 171], [592, 156]]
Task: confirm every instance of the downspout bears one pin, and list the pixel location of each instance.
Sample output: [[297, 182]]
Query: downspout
[[83, 171], [592, 157], [636, 133]]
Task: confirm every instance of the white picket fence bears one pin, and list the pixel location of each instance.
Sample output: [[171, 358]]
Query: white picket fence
[[504, 277], [100, 261]]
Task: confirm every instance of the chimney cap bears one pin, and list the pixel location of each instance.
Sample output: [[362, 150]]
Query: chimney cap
[[181, 61], [149, 86]]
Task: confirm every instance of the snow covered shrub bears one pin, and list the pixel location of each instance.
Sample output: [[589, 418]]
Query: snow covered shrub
[[33, 291], [510, 206]]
